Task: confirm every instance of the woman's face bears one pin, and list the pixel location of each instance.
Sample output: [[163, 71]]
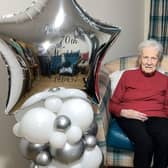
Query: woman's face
[[149, 60]]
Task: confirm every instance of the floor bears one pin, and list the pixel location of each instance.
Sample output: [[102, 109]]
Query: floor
[[53, 81]]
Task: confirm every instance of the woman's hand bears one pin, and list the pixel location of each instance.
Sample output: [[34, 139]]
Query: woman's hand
[[133, 114]]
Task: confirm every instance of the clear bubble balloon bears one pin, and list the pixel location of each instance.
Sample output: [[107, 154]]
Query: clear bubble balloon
[[72, 92], [35, 98]]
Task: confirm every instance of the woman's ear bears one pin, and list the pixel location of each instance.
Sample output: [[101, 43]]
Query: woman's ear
[[159, 64], [138, 62]]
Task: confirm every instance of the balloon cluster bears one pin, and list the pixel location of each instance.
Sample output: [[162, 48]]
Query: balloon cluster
[[57, 130]]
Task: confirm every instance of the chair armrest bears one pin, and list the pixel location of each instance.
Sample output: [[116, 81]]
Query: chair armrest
[[102, 114]]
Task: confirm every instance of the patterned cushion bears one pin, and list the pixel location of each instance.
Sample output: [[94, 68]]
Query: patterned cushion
[[119, 158]]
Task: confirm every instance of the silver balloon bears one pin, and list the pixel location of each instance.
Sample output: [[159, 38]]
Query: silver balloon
[[43, 158], [30, 150], [93, 128], [54, 89], [34, 165], [69, 153], [66, 38], [61, 123], [90, 141]]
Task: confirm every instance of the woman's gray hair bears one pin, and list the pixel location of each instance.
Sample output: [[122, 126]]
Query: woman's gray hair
[[151, 43]]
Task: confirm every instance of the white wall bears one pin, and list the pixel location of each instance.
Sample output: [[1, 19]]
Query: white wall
[[14, 6], [10, 156], [147, 14], [128, 14]]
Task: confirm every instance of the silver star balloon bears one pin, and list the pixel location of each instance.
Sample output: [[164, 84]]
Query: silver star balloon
[[62, 32]]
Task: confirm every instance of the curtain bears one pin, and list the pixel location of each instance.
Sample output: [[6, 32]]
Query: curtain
[[158, 28]]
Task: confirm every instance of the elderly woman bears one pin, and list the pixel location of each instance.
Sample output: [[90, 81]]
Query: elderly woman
[[140, 106]]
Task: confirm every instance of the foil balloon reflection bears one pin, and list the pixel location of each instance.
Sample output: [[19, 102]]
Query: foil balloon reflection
[[68, 41]]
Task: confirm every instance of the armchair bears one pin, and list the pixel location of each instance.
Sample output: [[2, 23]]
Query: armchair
[[116, 147]]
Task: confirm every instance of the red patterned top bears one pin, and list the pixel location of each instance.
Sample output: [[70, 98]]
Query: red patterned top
[[147, 94]]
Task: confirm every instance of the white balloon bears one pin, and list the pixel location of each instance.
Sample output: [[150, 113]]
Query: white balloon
[[58, 139], [79, 111], [74, 134], [67, 93], [37, 125], [92, 158], [35, 98], [59, 92], [16, 130], [53, 103], [71, 92]]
